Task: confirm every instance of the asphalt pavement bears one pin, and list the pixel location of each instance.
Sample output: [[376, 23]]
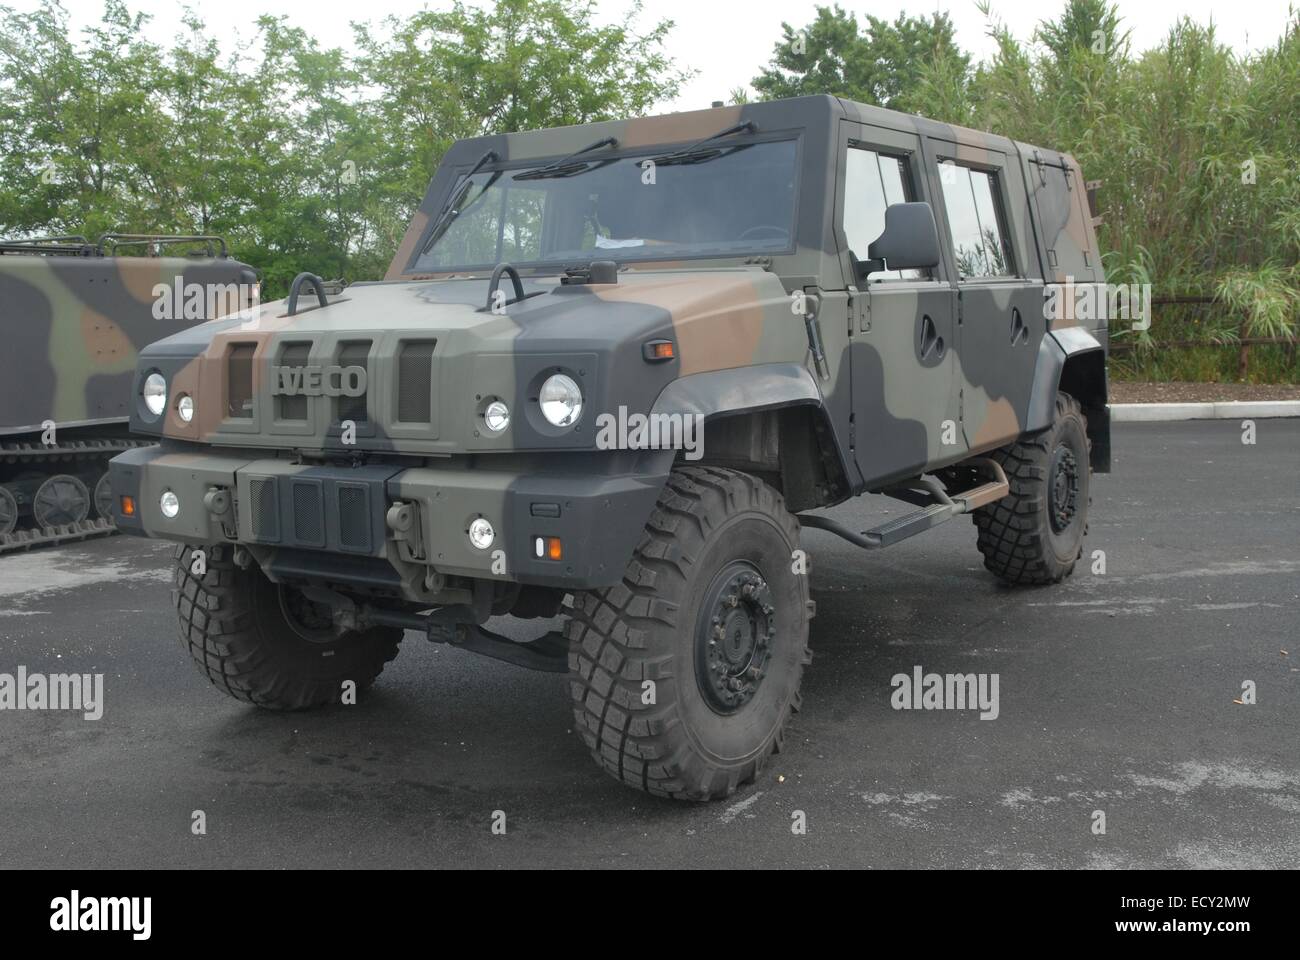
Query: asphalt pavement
[[1125, 693]]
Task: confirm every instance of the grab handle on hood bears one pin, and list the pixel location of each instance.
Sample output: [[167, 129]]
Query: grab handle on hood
[[496, 282], [296, 287]]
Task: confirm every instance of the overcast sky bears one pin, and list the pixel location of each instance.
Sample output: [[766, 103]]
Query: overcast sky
[[726, 41]]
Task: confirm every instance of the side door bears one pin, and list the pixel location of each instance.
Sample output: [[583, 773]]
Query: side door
[[1000, 305], [902, 323]]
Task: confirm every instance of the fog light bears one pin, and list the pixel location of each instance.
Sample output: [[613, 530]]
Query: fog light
[[496, 416], [169, 504], [481, 534], [185, 407]]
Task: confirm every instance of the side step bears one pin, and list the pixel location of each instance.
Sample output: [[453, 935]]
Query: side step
[[937, 506]]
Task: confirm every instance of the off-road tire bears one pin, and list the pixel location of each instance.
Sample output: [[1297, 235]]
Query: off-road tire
[[1016, 534], [233, 626], [707, 523]]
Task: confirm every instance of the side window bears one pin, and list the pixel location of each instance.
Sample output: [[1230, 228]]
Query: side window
[[872, 181], [975, 221]]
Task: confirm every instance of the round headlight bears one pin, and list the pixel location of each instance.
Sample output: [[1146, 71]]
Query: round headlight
[[496, 416], [481, 534], [561, 400], [185, 407], [155, 393], [169, 504]]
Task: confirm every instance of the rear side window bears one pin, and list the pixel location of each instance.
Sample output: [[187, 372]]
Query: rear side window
[[975, 221], [873, 181]]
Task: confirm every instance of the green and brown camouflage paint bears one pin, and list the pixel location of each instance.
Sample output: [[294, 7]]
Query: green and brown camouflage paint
[[889, 412]]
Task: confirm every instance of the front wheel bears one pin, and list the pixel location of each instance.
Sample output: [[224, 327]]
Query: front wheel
[[1035, 533], [685, 673], [265, 643]]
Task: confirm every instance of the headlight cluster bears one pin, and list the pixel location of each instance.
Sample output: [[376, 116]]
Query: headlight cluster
[[154, 393], [561, 400]]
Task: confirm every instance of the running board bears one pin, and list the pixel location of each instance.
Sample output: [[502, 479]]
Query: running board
[[941, 508]]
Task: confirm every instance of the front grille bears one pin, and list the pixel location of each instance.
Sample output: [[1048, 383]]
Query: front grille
[[353, 353], [239, 381], [265, 509], [308, 513], [415, 382], [354, 517], [295, 407]]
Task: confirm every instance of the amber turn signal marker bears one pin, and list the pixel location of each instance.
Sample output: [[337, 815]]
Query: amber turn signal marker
[[657, 350], [128, 506], [553, 549]]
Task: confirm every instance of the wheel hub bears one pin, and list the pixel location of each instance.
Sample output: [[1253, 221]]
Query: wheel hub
[[734, 637], [1063, 489]]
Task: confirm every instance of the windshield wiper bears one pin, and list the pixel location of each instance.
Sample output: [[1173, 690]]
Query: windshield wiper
[[567, 166], [698, 152], [450, 212]]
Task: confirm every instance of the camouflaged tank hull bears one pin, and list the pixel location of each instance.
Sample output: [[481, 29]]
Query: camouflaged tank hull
[[74, 321], [808, 373]]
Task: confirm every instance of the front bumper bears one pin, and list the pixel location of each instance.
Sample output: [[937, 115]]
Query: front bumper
[[324, 517]]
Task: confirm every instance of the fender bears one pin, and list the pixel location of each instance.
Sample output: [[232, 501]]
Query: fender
[[1088, 386], [716, 393], [765, 387]]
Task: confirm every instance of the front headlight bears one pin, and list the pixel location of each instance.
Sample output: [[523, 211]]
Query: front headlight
[[154, 393], [561, 400]]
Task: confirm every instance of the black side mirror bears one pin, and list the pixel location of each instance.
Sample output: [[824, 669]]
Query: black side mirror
[[909, 241]]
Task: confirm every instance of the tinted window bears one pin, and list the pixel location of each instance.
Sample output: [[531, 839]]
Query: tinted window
[[979, 244], [873, 181]]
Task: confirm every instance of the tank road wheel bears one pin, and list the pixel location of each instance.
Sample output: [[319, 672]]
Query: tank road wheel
[[684, 675], [61, 499], [1035, 534], [267, 644], [8, 511], [104, 497]]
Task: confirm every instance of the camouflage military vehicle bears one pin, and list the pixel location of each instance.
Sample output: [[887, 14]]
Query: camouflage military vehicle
[[73, 315], [849, 300]]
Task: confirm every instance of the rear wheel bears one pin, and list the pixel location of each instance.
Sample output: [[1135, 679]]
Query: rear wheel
[[684, 674], [1035, 534], [268, 644]]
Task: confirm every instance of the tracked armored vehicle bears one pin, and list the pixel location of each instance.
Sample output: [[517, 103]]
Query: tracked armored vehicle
[[73, 315], [811, 299]]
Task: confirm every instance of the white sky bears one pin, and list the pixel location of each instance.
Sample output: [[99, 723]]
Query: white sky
[[727, 41]]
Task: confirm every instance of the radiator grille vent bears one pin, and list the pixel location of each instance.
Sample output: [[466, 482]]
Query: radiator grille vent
[[308, 515], [354, 520], [294, 408], [415, 382], [353, 354], [239, 381], [265, 509]]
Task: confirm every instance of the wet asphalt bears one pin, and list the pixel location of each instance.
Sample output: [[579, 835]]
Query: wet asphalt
[[1116, 695]]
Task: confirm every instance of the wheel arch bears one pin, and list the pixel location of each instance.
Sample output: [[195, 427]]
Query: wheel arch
[[769, 420], [1073, 361]]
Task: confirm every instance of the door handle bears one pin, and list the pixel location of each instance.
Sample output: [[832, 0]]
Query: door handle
[[1019, 331], [930, 342]]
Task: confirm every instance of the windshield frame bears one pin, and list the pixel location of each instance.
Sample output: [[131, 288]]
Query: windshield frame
[[500, 170]]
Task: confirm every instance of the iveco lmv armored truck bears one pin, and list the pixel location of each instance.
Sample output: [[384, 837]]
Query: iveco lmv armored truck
[[611, 369]]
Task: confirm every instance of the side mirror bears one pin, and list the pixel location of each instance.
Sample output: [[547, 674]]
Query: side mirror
[[909, 241]]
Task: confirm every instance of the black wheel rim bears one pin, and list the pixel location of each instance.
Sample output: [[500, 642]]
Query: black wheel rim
[[733, 639], [1063, 489], [312, 621], [8, 512], [59, 500], [104, 497]]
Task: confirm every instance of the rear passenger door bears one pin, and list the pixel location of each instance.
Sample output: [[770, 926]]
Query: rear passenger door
[[985, 217], [902, 323]]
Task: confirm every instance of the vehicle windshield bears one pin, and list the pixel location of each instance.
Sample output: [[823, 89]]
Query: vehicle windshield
[[739, 200]]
